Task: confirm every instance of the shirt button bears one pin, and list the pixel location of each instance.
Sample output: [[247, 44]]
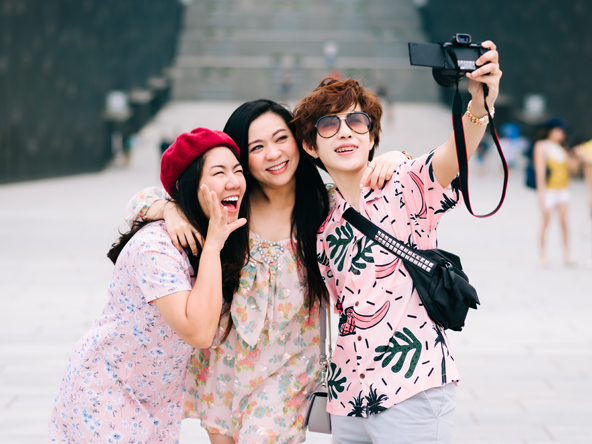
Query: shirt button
[[359, 338], [362, 375], [357, 303]]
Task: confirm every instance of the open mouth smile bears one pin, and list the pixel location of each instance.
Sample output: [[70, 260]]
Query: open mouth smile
[[346, 149], [230, 202]]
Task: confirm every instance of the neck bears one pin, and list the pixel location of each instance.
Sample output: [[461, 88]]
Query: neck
[[348, 184], [284, 196]]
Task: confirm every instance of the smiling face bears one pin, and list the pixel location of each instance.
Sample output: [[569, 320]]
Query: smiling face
[[346, 153], [273, 152], [223, 173]]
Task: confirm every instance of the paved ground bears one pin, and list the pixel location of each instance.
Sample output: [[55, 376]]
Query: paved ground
[[525, 356]]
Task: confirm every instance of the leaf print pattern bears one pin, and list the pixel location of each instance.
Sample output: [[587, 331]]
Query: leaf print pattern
[[401, 355], [389, 351], [338, 244], [363, 256], [334, 382]]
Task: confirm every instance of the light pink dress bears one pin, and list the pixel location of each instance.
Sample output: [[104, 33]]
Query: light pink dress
[[125, 378]]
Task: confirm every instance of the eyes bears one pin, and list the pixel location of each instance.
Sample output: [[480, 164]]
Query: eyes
[[237, 171], [280, 139]]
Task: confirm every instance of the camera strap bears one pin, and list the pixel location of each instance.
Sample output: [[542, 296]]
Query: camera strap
[[461, 151]]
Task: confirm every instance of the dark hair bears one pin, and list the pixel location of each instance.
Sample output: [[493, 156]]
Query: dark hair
[[334, 96], [545, 130], [311, 206], [232, 256]]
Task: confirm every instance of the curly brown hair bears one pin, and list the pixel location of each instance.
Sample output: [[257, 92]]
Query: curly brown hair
[[334, 96]]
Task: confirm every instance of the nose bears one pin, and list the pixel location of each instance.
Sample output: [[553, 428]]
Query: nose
[[272, 152], [344, 131], [233, 182]]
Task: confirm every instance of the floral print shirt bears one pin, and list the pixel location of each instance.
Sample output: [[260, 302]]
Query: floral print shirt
[[125, 379], [388, 349]]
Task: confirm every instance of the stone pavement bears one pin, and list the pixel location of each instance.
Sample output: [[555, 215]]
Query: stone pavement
[[525, 356]]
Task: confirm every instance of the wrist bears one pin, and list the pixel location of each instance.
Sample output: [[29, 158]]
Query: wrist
[[477, 114]]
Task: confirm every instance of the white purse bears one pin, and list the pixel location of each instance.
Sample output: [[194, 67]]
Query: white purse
[[317, 419]]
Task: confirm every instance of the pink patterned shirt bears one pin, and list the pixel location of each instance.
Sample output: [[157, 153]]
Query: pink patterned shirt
[[388, 349]]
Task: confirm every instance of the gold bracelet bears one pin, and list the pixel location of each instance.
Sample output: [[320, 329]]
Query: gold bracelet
[[407, 155], [478, 120]]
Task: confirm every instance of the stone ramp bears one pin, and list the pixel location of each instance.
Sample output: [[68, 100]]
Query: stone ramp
[[525, 356], [246, 49]]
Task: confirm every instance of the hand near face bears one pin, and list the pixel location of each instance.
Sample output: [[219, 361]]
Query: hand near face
[[218, 228], [382, 168]]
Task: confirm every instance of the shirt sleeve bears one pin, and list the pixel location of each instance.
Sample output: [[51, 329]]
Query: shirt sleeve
[[323, 260], [138, 206], [160, 268], [426, 199]]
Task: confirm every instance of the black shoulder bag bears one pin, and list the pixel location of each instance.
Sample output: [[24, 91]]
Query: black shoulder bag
[[437, 275]]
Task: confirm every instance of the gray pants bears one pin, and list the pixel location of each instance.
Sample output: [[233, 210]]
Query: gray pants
[[426, 418]]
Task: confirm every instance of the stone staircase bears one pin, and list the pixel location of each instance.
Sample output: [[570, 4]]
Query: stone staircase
[[248, 49]]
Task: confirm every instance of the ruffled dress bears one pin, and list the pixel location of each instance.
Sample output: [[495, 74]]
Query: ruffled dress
[[254, 386]]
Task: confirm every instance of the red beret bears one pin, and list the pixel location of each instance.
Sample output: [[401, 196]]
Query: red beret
[[187, 148]]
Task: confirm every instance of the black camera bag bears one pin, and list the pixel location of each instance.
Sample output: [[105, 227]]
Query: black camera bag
[[437, 275]]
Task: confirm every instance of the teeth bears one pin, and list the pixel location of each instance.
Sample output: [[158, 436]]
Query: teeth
[[344, 149], [230, 199], [279, 167]]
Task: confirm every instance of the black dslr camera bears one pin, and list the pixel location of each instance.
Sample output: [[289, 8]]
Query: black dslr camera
[[449, 61]]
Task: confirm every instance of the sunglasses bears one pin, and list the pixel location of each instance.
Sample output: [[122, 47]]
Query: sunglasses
[[328, 126]]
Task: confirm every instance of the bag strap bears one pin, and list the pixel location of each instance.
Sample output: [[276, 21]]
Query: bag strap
[[461, 151], [408, 255], [325, 318]]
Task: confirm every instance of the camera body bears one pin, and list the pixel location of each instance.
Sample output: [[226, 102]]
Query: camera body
[[449, 61]]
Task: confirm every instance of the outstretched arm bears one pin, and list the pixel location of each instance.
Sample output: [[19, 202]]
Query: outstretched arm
[[154, 203], [445, 163]]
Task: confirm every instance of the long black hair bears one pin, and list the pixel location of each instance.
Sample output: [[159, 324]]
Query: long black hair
[[236, 247], [312, 202]]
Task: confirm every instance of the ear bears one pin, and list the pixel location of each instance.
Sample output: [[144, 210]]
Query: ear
[[309, 150]]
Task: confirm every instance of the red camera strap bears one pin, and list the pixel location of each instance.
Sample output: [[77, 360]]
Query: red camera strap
[[461, 151]]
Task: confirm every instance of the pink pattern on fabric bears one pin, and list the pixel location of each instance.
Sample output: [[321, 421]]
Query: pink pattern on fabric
[[388, 348], [125, 378]]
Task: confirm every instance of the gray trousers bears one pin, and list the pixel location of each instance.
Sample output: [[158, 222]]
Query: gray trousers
[[426, 418]]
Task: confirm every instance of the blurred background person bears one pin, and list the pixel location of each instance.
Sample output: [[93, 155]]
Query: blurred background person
[[552, 172]]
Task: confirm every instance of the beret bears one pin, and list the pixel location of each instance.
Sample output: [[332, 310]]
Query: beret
[[188, 147]]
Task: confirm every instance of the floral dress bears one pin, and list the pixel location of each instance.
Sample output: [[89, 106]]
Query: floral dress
[[125, 378], [254, 386]]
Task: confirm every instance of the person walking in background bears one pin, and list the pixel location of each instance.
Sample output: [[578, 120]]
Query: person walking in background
[[125, 379], [552, 171], [252, 386], [584, 155], [392, 375]]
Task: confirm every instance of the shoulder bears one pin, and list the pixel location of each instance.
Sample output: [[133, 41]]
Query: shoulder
[[153, 237]]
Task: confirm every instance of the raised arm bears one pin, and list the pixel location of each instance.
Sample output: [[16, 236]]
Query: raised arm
[[445, 164], [194, 315]]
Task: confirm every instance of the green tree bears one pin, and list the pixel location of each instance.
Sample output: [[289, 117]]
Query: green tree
[[440, 340], [388, 351], [358, 406], [373, 402]]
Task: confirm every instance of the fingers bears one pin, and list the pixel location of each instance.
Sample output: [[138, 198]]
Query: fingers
[[236, 224], [365, 181], [176, 243]]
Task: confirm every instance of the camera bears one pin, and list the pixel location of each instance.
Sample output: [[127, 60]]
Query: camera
[[449, 61]]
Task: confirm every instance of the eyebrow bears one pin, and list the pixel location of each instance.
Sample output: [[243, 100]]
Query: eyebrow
[[259, 140]]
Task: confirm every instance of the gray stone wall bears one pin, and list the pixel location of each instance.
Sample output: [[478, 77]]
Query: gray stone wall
[[58, 60]]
